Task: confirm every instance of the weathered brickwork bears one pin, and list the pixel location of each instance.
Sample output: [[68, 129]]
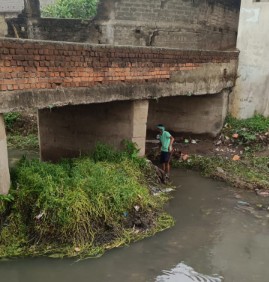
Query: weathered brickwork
[[26, 64], [184, 24]]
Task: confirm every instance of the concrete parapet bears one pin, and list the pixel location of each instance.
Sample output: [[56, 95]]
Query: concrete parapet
[[40, 74], [4, 169]]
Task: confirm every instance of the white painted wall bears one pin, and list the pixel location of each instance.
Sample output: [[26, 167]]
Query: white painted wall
[[251, 94]]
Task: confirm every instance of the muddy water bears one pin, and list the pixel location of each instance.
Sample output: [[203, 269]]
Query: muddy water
[[217, 237]]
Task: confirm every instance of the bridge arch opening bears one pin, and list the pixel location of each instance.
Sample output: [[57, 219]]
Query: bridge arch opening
[[71, 131], [198, 115]]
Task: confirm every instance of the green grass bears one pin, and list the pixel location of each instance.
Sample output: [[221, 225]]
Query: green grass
[[10, 119], [81, 206], [250, 173], [16, 123], [248, 129], [28, 142]]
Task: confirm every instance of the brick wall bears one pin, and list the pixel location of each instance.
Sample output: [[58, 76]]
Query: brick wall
[[26, 64], [184, 24]]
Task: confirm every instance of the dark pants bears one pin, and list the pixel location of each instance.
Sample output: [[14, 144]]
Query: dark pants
[[165, 157]]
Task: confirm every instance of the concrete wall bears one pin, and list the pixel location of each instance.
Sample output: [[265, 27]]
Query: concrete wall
[[194, 114], [181, 24], [74, 130], [185, 24], [4, 169], [251, 94]]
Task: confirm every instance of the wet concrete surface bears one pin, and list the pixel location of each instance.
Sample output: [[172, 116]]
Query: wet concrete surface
[[216, 238]]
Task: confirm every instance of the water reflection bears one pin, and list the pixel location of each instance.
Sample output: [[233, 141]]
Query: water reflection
[[185, 273]]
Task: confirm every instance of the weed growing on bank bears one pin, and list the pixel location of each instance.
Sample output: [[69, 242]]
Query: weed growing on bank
[[250, 173], [250, 131], [21, 131], [81, 207], [28, 142], [10, 119], [249, 170]]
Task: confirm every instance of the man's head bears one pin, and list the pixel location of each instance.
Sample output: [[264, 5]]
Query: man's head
[[161, 128]]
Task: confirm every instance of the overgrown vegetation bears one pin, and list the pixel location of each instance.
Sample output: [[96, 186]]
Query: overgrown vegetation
[[250, 170], [10, 119], [78, 9], [250, 173], [28, 142], [80, 207], [250, 131], [21, 131]]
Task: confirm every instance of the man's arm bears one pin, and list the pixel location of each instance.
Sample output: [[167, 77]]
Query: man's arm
[[172, 139]]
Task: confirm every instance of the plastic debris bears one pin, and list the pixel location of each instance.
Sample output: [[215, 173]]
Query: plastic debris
[[77, 249], [235, 136], [40, 215], [262, 193], [137, 208], [219, 143], [186, 141], [193, 142], [125, 214], [220, 170], [236, 158], [242, 203], [185, 157]]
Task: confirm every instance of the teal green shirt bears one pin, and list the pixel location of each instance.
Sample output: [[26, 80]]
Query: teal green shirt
[[165, 140]]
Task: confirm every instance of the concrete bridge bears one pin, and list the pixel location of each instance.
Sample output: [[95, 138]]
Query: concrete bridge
[[86, 93]]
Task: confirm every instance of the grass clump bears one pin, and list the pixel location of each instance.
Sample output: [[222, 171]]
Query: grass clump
[[249, 130], [81, 206], [250, 173], [21, 131], [10, 119], [28, 142]]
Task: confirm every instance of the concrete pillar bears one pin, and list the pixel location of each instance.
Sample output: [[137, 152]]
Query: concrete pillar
[[74, 130], [32, 8], [139, 126], [4, 168]]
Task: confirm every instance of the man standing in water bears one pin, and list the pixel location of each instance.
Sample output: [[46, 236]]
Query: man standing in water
[[167, 141]]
